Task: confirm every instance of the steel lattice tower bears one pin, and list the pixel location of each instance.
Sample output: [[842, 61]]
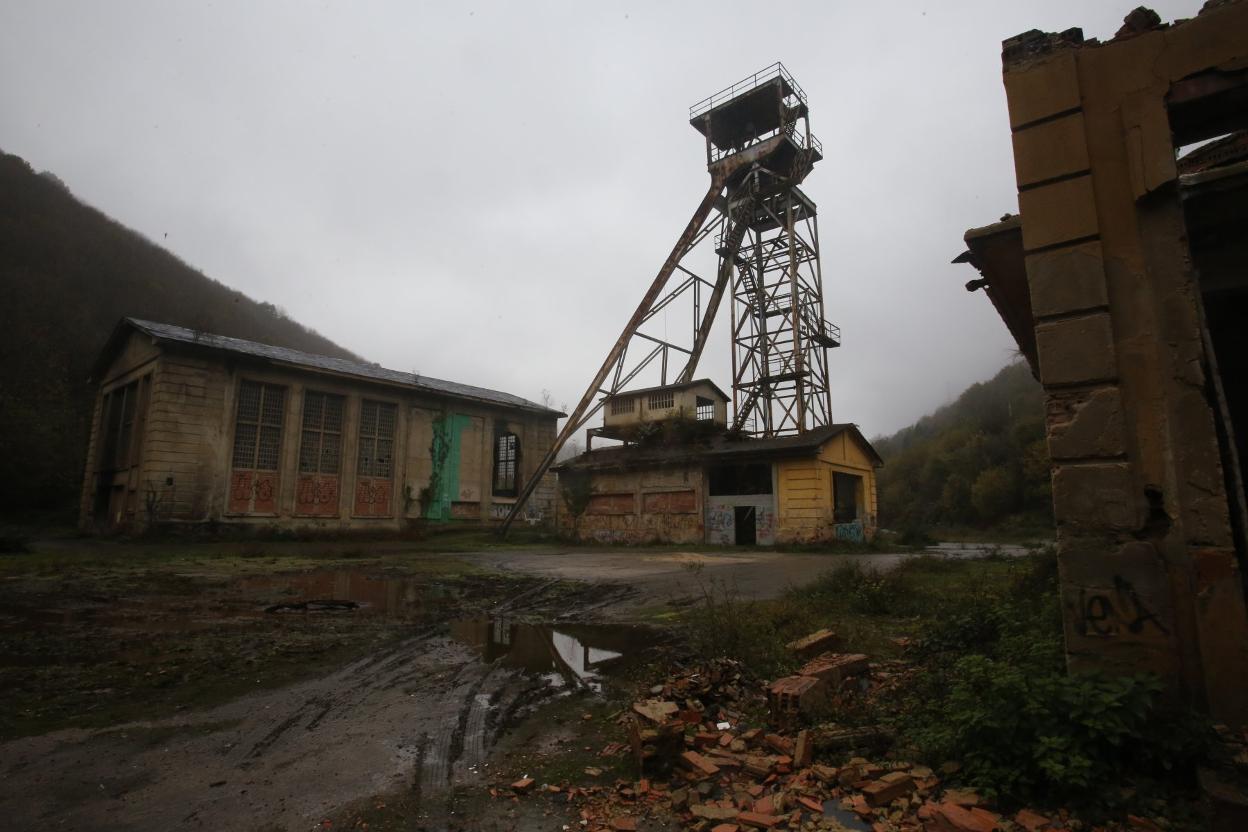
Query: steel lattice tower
[[759, 149]]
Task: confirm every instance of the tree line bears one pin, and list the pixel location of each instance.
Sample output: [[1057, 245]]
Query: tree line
[[980, 461]]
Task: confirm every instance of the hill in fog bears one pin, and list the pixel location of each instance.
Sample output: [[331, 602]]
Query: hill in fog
[[68, 273]]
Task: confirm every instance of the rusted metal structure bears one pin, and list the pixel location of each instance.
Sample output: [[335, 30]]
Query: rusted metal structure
[[759, 149]]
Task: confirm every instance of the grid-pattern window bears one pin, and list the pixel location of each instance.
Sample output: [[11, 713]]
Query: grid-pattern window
[[662, 400], [320, 445], [258, 426], [376, 458], [506, 463], [624, 405]]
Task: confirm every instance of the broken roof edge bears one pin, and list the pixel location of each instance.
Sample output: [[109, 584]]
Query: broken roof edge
[[310, 362]]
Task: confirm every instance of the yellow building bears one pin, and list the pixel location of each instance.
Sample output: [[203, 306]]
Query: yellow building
[[819, 485]]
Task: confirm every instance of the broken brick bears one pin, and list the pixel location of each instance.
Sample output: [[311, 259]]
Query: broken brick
[[962, 797], [779, 744], [624, 824], [811, 804], [950, 817], [804, 750], [813, 644], [708, 811], [1032, 821], [726, 827], [888, 788], [522, 785], [699, 764], [794, 694], [758, 820], [655, 711], [834, 668]]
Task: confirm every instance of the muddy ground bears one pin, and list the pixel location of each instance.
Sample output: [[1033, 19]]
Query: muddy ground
[[293, 685]]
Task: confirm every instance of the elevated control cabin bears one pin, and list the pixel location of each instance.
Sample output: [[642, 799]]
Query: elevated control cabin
[[625, 414]]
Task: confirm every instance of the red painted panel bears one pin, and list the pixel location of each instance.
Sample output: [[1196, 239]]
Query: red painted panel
[[240, 492], [611, 504], [316, 495], [266, 493], [372, 497], [669, 502]]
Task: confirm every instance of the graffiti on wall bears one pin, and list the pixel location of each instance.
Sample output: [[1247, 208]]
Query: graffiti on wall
[[1122, 611], [720, 527], [764, 526], [852, 532]]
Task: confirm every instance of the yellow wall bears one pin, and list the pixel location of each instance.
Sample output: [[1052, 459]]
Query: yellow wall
[[804, 490]]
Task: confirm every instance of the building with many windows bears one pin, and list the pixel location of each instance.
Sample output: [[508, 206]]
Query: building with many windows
[[195, 428]]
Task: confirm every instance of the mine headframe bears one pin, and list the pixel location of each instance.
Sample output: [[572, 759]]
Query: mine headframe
[[759, 149]]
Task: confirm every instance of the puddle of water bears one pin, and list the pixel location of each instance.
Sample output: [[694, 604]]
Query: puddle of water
[[566, 656], [845, 817], [346, 592]]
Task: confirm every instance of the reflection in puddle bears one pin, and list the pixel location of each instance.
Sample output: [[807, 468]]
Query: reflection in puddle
[[334, 591], [572, 655], [847, 818]]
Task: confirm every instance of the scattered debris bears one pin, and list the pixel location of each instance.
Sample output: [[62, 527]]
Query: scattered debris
[[702, 764]]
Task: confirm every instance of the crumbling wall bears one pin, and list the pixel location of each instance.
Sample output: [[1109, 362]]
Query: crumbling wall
[[1149, 575], [648, 506]]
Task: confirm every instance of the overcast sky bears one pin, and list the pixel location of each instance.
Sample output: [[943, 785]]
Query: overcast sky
[[483, 192]]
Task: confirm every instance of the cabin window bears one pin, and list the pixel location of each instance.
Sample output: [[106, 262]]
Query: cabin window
[[662, 400], [620, 407], [376, 457], [506, 464], [706, 409], [320, 446]]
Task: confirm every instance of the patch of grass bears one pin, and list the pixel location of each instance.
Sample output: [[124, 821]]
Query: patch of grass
[[14, 544]]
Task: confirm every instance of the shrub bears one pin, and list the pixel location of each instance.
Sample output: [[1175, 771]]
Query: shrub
[[1024, 734], [995, 695]]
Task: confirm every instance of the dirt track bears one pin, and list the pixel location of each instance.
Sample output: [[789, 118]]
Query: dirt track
[[415, 717]]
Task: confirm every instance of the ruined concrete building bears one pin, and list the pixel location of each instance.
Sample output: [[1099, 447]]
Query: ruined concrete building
[[671, 487], [1125, 282], [193, 428]]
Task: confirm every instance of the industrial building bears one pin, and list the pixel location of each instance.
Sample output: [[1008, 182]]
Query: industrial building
[[1125, 282], [197, 429], [808, 487]]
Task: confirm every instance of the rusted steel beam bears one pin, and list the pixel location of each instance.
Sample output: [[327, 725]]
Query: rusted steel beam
[[718, 177]]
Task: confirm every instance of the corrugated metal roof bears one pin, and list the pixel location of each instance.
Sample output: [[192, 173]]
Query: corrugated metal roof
[[719, 447], [329, 364]]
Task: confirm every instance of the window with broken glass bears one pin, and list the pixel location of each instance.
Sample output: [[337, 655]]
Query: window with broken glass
[[320, 446], [506, 462], [257, 452], [376, 455], [258, 426]]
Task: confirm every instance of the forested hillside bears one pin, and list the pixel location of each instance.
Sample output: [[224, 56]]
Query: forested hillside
[[980, 461], [68, 273]]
